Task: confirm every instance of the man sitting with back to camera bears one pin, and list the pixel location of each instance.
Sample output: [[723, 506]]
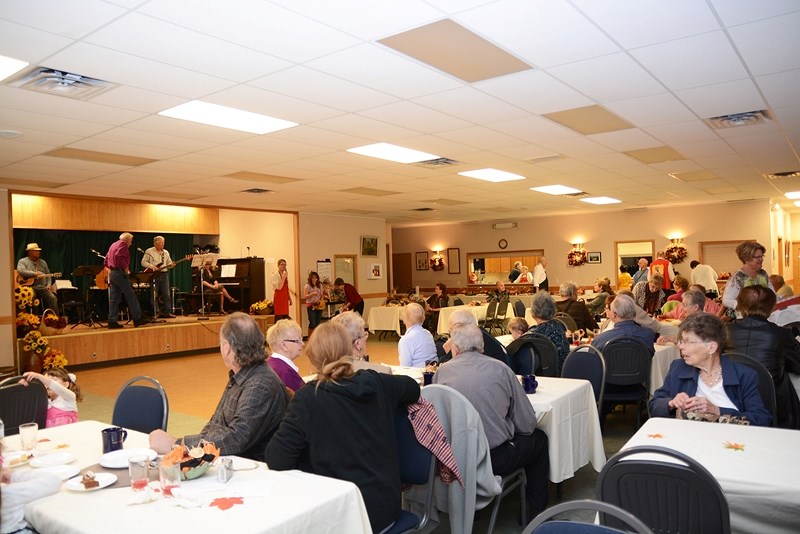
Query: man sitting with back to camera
[[622, 314], [506, 413]]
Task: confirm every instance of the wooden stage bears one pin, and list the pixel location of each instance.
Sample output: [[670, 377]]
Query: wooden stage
[[86, 345]]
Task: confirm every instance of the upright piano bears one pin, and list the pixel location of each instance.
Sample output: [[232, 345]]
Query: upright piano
[[248, 284]]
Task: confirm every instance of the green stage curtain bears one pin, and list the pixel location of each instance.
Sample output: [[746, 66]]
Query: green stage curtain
[[66, 250]]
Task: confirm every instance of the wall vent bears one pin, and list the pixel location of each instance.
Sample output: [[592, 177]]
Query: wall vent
[[736, 120], [438, 162], [62, 83]]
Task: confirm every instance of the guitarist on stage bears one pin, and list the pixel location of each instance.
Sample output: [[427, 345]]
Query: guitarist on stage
[[33, 266], [157, 259]]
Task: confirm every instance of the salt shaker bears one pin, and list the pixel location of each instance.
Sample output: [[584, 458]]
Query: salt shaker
[[224, 470]]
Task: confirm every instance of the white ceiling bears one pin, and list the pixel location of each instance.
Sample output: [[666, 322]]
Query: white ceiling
[[662, 65]]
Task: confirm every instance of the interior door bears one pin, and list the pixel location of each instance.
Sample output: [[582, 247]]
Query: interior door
[[401, 272]]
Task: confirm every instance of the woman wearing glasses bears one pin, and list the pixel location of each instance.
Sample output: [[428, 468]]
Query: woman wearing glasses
[[705, 383], [285, 340], [751, 254]]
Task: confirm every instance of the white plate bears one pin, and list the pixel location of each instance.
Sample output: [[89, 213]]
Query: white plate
[[64, 472], [12, 459], [51, 460], [119, 459], [105, 479]]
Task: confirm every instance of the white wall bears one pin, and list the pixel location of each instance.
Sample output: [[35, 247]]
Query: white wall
[[324, 236], [713, 222]]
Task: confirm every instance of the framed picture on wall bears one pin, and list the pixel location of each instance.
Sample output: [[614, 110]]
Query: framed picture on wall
[[453, 261], [594, 257], [369, 246], [422, 261], [375, 271]]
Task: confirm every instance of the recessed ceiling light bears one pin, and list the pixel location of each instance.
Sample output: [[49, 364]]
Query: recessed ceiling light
[[492, 175], [556, 190], [225, 117], [390, 152], [797, 203], [601, 200], [9, 66], [792, 195]]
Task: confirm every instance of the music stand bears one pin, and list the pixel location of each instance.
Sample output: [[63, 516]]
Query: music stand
[[198, 261], [93, 271]]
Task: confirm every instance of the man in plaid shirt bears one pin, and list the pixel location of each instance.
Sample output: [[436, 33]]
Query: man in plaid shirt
[[254, 400]]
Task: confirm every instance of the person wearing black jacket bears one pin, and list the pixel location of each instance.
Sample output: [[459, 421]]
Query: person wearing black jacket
[[770, 344], [574, 307]]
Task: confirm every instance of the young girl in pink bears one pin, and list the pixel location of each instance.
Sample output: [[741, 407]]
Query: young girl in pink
[[64, 394]]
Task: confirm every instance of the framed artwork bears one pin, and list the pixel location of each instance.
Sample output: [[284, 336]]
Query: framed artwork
[[375, 271], [594, 257], [344, 267], [422, 261], [454, 261], [369, 246]]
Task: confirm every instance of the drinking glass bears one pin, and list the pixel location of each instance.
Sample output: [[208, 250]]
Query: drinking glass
[[27, 435], [169, 476], [137, 468]]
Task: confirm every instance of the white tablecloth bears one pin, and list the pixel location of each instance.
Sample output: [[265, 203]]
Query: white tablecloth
[[664, 356], [760, 482], [444, 315], [567, 413], [669, 327], [273, 502], [385, 318]]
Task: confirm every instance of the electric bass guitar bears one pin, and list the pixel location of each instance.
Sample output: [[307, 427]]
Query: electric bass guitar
[[23, 281], [164, 268]]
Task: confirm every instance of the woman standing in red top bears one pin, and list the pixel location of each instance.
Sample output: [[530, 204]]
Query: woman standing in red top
[[281, 299]]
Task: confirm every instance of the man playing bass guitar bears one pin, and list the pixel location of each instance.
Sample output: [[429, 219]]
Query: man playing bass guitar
[[157, 259]]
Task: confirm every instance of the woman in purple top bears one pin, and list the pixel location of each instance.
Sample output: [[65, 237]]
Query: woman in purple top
[[285, 340]]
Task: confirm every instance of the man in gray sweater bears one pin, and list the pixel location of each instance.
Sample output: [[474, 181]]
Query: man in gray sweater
[[506, 413]]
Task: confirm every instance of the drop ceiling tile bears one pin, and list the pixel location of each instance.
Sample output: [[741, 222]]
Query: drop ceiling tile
[[593, 78], [735, 13], [722, 99], [415, 117], [313, 86], [652, 110], [692, 61], [535, 91], [655, 21], [781, 89], [478, 136], [771, 45], [711, 148], [114, 147], [28, 44], [72, 19], [136, 99], [526, 29], [257, 25], [318, 137], [189, 130], [534, 129], [152, 139], [358, 126], [628, 139], [685, 132], [273, 104], [575, 147]]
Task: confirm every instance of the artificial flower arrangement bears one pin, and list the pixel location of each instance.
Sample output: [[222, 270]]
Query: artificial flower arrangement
[[261, 307], [27, 322], [437, 263], [25, 297], [52, 324], [576, 257], [34, 341], [676, 253], [54, 358], [194, 461]]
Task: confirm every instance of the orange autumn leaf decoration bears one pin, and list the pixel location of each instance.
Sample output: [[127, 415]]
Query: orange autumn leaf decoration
[[656, 436], [223, 503], [62, 446], [734, 446]]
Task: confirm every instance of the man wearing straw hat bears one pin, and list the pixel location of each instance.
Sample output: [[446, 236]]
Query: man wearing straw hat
[[34, 267]]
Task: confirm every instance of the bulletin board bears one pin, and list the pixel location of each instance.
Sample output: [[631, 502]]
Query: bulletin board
[[325, 270]]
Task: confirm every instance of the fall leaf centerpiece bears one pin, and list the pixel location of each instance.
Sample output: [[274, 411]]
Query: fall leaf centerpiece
[[194, 461]]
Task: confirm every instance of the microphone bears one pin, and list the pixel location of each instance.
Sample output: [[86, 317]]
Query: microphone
[[140, 250], [248, 252]]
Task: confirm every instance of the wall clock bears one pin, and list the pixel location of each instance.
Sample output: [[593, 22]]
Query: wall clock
[[502, 243]]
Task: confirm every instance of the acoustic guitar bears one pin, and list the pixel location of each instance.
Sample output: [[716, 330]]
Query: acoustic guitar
[[20, 280], [164, 268], [101, 279]]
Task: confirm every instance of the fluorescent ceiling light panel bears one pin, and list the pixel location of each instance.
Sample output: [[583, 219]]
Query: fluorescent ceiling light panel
[[225, 117], [792, 195], [601, 200], [394, 153], [797, 203], [10, 66], [492, 175], [556, 190]]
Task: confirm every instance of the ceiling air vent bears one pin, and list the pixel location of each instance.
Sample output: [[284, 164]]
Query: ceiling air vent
[[423, 209], [257, 191], [579, 194], [438, 162], [62, 83], [738, 119], [786, 174]]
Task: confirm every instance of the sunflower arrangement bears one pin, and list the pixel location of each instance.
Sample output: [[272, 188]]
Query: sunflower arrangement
[[54, 358], [27, 320], [25, 297], [34, 341], [261, 307]]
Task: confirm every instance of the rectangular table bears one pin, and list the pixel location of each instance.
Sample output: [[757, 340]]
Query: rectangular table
[[761, 482], [273, 501], [385, 318], [566, 411], [443, 326]]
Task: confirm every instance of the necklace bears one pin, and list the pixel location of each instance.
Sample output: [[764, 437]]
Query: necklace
[[712, 378]]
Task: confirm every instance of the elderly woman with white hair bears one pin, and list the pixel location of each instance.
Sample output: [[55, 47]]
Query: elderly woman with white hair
[[285, 340], [543, 309], [416, 346], [357, 329], [622, 313]]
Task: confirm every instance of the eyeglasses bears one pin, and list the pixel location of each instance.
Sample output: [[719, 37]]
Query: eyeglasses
[[298, 341], [687, 342], [758, 257]]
